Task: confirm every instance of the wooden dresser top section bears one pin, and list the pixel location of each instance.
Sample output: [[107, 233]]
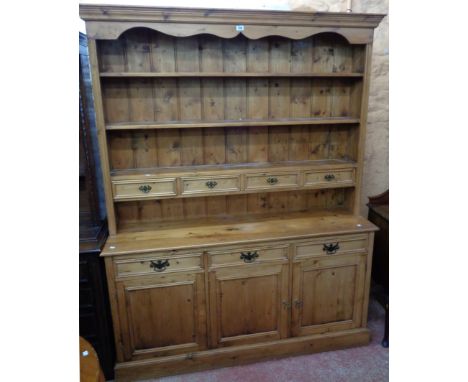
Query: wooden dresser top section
[[110, 21], [231, 231]]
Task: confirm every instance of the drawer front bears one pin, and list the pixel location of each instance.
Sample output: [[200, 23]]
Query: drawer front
[[339, 177], [159, 264], [329, 246], [247, 255], [208, 185], [271, 181], [140, 190]]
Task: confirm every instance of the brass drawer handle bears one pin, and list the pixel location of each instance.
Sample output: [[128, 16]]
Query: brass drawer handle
[[159, 265], [329, 177], [211, 184], [331, 248], [272, 180], [146, 188], [249, 257]]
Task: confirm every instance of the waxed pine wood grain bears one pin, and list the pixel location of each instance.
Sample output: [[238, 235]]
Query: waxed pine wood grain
[[327, 294], [320, 308], [149, 318], [238, 290], [238, 296], [150, 328], [151, 51], [236, 157], [259, 203]]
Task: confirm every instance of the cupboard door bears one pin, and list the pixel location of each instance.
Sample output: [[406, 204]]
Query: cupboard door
[[327, 294], [162, 315], [248, 304]]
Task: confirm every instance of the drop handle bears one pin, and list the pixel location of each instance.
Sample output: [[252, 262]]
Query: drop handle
[[159, 265], [145, 189], [329, 177], [211, 184], [331, 248], [272, 180], [298, 304], [249, 257]]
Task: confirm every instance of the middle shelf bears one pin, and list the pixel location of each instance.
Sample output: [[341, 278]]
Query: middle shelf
[[232, 123], [232, 74], [205, 180]]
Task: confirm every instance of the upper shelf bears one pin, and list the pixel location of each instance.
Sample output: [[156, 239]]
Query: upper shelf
[[231, 123], [229, 74]]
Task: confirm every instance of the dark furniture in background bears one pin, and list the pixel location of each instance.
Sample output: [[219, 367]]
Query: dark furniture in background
[[378, 214], [95, 321]]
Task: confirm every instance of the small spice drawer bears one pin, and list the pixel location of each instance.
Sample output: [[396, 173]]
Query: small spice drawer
[[157, 264], [209, 185], [334, 245], [271, 181], [322, 178], [137, 189], [247, 255]]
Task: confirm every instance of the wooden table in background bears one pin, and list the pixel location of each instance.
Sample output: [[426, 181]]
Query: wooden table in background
[[90, 370]]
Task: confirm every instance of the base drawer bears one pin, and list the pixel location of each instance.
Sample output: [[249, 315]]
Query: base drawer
[[247, 255], [156, 265], [334, 245]]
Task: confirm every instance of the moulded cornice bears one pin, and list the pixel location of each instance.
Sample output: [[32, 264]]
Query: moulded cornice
[[231, 16]]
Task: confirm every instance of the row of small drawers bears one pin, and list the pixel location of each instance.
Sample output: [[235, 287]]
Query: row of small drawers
[[151, 263], [207, 185]]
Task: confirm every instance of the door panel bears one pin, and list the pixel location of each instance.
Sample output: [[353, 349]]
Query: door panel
[[331, 297], [162, 315], [238, 297], [246, 303], [327, 294], [152, 311]]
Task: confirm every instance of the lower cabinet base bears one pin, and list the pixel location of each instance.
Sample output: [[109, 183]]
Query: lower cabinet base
[[237, 355]]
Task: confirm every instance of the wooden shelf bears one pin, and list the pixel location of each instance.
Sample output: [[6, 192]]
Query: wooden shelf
[[231, 123], [326, 164], [226, 230], [227, 74]]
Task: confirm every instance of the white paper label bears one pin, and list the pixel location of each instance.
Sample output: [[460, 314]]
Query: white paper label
[[239, 28]]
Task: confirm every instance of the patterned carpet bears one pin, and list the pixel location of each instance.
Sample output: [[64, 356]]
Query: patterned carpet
[[362, 364]]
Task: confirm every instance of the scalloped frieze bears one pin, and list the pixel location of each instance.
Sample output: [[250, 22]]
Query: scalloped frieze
[[109, 30], [353, 35]]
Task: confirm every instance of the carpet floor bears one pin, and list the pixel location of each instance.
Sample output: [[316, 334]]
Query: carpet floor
[[362, 364]]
